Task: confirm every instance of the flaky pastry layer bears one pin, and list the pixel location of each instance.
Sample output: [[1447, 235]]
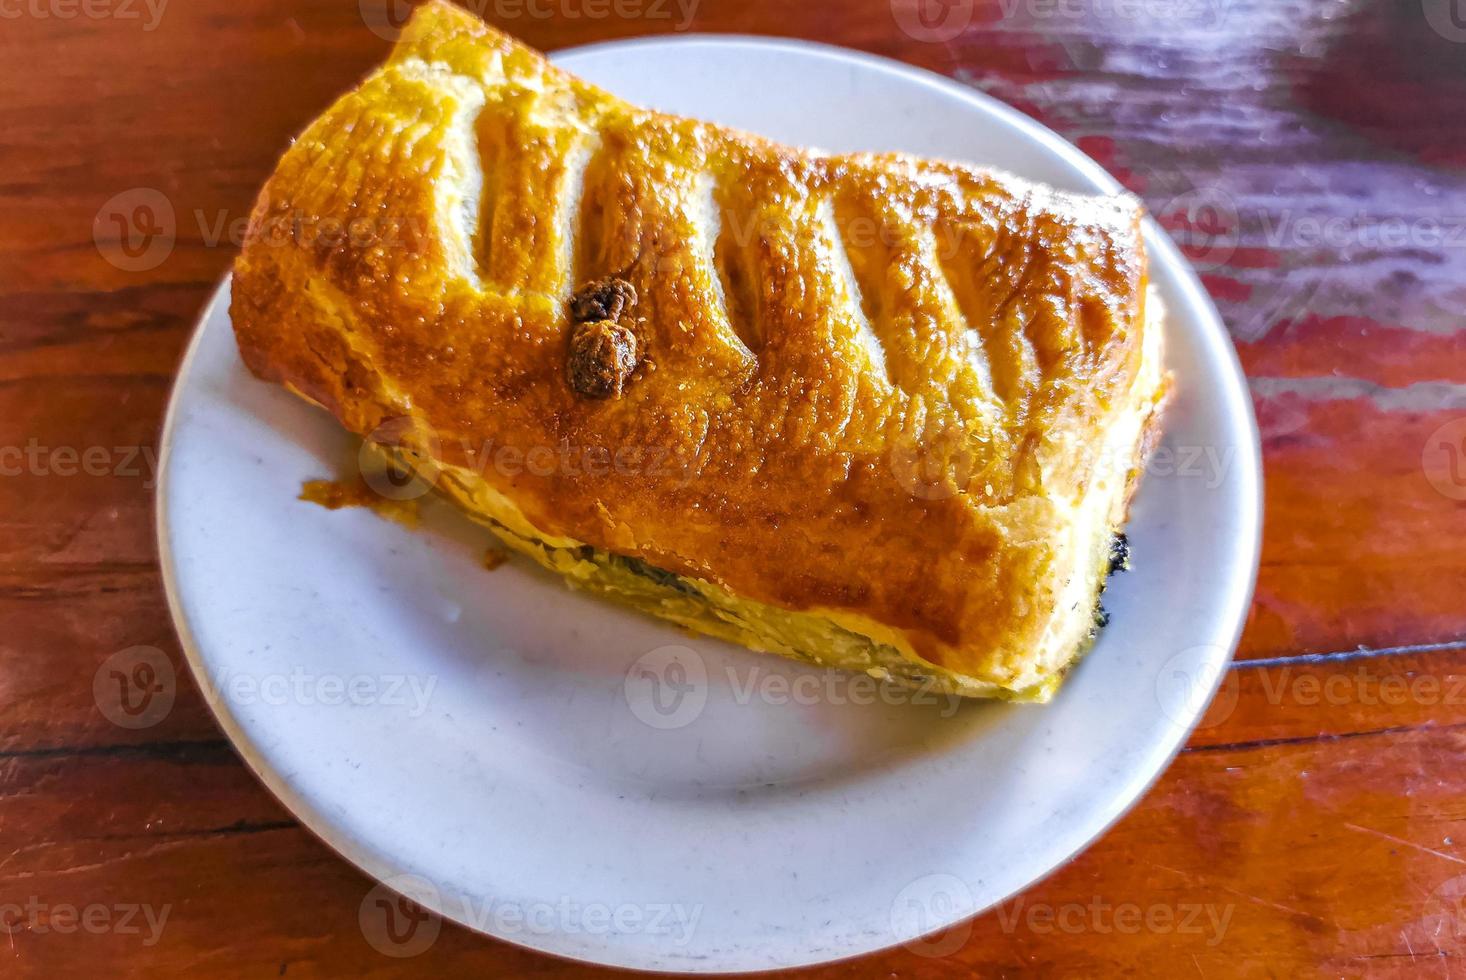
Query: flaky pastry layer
[[887, 412]]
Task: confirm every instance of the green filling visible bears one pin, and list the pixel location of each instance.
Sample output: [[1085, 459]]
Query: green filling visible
[[706, 608], [658, 575], [1119, 562]]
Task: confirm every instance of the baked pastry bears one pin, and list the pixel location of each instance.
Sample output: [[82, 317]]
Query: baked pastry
[[870, 411]]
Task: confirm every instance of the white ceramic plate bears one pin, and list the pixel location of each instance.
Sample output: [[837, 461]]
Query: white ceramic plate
[[564, 775]]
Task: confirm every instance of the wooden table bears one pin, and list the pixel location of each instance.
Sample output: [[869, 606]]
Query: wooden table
[[1311, 155]]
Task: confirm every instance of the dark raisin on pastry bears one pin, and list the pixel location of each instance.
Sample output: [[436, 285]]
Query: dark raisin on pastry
[[602, 299], [602, 356]]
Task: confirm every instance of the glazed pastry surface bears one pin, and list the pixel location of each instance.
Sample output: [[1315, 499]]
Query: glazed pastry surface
[[874, 411]]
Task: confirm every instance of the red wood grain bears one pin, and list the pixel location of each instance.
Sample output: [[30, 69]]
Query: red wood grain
[[1306, 154]]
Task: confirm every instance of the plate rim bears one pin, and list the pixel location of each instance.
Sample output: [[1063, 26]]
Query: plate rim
[[1201, 313]]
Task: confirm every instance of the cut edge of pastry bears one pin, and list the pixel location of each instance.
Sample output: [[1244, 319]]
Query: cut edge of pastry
[[832, 638]]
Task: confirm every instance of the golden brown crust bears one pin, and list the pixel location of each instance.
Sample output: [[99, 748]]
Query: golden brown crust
[[869, 384]]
